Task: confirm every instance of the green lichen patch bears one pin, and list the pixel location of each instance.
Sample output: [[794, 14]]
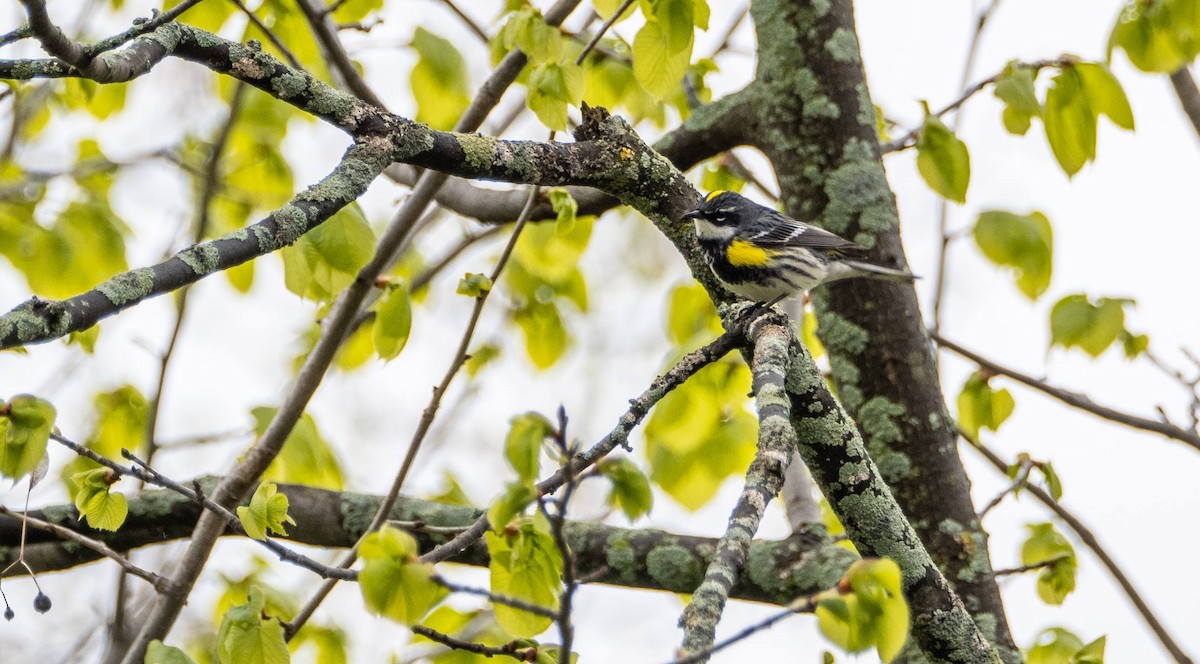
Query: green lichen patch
[[842, 46], [857, 191], [674, 568], [202, 258], [477, 150], [128, 287]]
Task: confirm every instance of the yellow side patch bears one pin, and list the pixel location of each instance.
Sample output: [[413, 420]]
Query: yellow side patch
[[713, 194], [744, 254]]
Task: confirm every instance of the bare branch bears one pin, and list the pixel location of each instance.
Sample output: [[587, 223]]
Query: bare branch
[[1189, 95], [1089, 540], [507, 650], [159, 582], [1080, 401]]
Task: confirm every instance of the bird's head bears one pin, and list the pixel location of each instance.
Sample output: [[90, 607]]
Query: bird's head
[[719, 208]]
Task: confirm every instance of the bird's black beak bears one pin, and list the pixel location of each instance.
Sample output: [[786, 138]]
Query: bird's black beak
[[691, 216]]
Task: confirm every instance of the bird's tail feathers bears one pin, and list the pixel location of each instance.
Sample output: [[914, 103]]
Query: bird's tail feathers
[[846, 269]]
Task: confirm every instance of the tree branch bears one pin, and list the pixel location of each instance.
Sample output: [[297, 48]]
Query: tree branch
[[334, 519], [1188, 94], [37, 321], [1080, 401], [776, 444], [1089, 540]]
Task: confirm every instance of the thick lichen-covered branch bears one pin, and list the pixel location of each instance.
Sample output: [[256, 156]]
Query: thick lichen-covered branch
[[636, 558], [36, 320], [833, 450], [819, 131], [776, 443]]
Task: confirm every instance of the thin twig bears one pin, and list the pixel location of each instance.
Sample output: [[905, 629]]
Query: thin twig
[[150, 476], [398, 232], [271, 36], [51, 36], [939, 283], [1089, 540], [687, 366], [1029, 568], [435, 401], [467, 21], [801, 605], [908, 139], [1080, 401], [507, 650], [159, 582], [1020, 481], [603, 29], [558, 530], [495, 598], [141, 27], [321, 24]]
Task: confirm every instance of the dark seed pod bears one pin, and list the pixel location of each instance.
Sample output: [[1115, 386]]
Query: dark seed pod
[[9, 614], [41, 603]]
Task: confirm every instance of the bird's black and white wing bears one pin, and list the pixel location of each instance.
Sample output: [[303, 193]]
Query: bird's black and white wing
[[782, 231]]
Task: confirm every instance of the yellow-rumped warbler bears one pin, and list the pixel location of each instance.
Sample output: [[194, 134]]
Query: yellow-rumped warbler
[[764, 256]]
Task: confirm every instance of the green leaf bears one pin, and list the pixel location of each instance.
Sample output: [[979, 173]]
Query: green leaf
[[872, 613], [1105, 94], [267, 512], [1075, 321], [1023, 242], [808, 334], [306, 457], [1053, 482], [565, 210], [943, 160], [718, 177], [159, 653], [516, 497], [25, 425], [606, 8], [553, 86], [1070, 122], [247, 637], [1045, 543], [1159, 36], [1092, 653], [86, 340], [550, 253], [439, 80], [474, 285], [1134, 344], [527, 565], [691, 315], [979, 406], [657, 66], [354, 11], [1078, 96], [701, 433], [102, 509], [326, 259], [1015, 88], [677, 20], [393, 321], [523, 445], [481, 357], [393, 583], [630, 487], [1059, 646], [545, 335]]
